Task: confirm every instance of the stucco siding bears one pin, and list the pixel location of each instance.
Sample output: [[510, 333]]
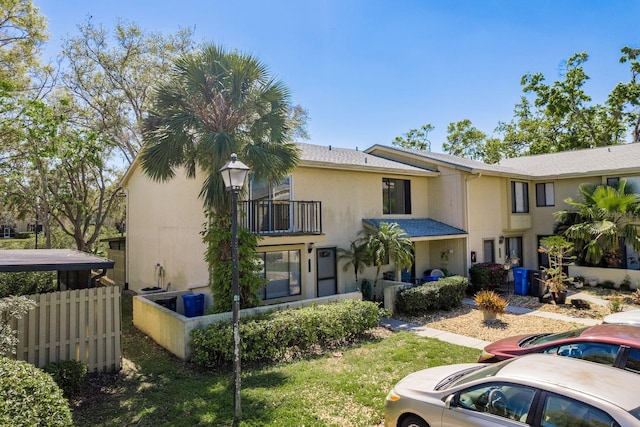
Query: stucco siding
[[164, 225], [487, 214]]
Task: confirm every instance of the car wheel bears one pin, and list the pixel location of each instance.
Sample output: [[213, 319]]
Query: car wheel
[[413, 421]]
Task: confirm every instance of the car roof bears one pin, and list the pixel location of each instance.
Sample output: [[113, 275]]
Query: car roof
[[613, 332], [613, 385], [630, 317]]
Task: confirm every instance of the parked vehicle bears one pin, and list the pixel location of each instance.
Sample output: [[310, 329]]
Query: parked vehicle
[[630, 317], [613, 345], [537, 390]]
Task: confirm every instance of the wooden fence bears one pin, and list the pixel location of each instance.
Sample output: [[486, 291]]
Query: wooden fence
[[83, 325]]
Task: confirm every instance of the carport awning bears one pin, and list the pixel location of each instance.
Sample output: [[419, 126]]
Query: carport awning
[[420, 228], [12, 260]]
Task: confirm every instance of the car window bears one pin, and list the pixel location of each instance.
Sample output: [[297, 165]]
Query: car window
[[501, 399], [594, 352], [560, 411], [633, 361], [549, 338]]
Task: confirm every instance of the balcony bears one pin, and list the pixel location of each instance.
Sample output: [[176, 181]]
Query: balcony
[[281, 217]]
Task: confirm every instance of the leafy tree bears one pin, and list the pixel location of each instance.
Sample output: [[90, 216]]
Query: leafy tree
[[110, 73], [216, 103], [356, 257], [465, 140], [22, 32], [605, 216], [416, 139], [59, 172], [561, 116], [388, 242], [628, 94]]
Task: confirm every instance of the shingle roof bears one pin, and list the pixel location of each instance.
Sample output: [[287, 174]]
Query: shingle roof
[[614, 158], [447, 159], [329, 156], [418, 227]]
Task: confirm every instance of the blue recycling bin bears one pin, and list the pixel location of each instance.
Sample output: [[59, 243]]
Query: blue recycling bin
[[521, 281], [193, 304]]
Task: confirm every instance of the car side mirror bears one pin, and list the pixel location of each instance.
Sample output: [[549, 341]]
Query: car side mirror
[[450, 401]]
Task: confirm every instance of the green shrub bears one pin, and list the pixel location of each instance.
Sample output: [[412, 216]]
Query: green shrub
[[486, 275], [30, 397], [27, 283], [285, 334], [70, 375], [444, 294]]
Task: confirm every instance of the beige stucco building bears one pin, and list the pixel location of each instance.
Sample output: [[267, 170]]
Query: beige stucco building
[[457, 212]]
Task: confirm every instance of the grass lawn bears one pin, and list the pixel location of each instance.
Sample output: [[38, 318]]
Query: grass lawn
[[341, 388]]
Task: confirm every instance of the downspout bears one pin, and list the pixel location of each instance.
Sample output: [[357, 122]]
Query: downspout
[[467, 178]]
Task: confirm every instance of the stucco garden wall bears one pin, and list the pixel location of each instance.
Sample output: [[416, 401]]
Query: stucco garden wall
[[171, 329]]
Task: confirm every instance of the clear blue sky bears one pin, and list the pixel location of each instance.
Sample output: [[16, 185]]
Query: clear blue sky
[[370, 70]]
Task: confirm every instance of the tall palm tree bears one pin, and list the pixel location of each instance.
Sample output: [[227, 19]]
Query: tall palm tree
[[217, 103], [388, 242], [604, 217]]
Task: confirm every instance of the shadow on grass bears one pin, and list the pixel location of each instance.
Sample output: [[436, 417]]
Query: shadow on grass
[[156, 388]]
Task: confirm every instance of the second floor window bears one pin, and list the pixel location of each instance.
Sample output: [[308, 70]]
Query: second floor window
[[519, 197], [396, 196], [545, 195]]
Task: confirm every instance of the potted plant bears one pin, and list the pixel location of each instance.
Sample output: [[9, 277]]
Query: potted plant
[[557, 249], [490, 303]]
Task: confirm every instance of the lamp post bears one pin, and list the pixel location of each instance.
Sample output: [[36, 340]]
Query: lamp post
[[234, 174]]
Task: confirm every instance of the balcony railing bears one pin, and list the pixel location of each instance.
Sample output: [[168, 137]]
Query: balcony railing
[[281, 217]]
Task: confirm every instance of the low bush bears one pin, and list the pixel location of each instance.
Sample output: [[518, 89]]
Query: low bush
[[27, 283], [30, 397], [70, 375], [285, 334], [444, 294], [486, 275]]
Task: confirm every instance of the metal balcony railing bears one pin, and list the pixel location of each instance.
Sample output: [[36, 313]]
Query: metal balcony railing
[[281, 217]]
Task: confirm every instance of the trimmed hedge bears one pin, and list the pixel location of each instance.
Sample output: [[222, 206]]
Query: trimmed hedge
[[444, 294], [30, 397], [285, 334]]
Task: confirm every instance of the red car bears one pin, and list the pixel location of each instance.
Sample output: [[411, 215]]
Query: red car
[[609, 344]]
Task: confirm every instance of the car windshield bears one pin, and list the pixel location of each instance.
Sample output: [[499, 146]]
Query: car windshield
[[549, 338], [472, 374], [635, 412]]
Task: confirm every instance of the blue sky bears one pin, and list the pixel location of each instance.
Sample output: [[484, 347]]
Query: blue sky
[[370, 70]]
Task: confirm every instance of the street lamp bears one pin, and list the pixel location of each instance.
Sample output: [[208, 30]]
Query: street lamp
[[234, 174]]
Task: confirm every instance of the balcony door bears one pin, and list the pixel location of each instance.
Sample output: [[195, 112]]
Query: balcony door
[[271, 206]]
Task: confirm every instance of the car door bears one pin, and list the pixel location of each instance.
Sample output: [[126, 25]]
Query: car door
[[490, 404], [563, 411]]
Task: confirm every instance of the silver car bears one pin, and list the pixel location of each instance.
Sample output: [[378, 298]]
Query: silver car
[[536, 390], [629, 317]]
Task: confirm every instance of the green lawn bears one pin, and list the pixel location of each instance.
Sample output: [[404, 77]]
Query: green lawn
[[345, 388]]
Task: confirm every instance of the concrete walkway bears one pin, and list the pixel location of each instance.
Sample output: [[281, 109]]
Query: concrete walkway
[[423, 331]]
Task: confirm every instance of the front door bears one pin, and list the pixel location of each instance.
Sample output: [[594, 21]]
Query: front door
[[327, 278]]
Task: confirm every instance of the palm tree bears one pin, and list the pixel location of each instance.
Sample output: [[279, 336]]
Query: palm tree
[[356, 257], [388, 242], [605, 216], [216, 103]]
